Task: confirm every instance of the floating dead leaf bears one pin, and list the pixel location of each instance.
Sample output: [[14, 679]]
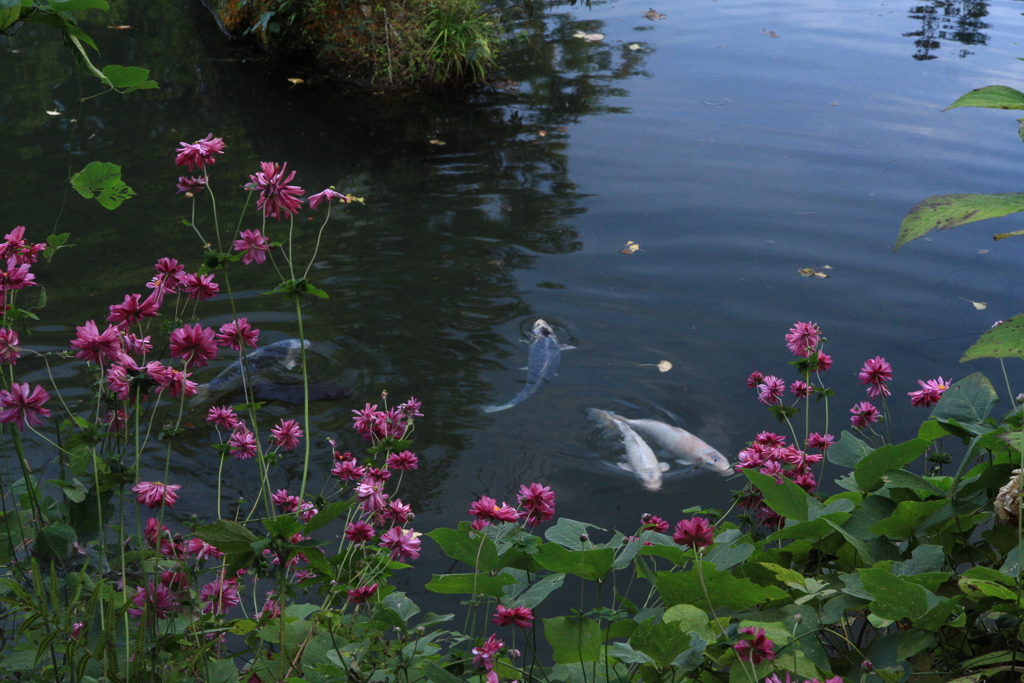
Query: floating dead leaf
[[826, 267], [634, 46], [983, 251], [663, 366], [631, 248], [770, 34], [653, 15], [811, 272], [978, 305], [119, 27], [437, 142], [295, 81], [55, 112], [542, 133]]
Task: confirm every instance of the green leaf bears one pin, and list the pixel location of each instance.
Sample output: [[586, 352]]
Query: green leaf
[[485, 584], [624, 652], [589, 564], [691, 620], [848, 451], [566, 533], [1005, 340], [326, 515], [925, 559], [931, 430], [858, 545], [868, 472], [227, 536], [787, 499], [907, 517], [130, 77], [536, 593], [978, 588], [915, 482], [725, 589], [660, 641], [102, 181], [9, 15], [728, 555], [436, 674], [991, 97], [473, 548], [76, 5], [574, 640], [54, 542], [282, 526], [895, 597], [817, 528], [942, 212]]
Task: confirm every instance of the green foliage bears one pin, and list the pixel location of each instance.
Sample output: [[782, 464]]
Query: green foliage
[[102, 181]]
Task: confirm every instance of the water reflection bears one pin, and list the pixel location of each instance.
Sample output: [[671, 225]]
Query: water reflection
[[956, 20]]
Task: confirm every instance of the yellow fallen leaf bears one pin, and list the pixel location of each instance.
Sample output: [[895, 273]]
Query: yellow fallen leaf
[[653, 15], [295, 81], [53, 113], [593, 37], [634, 46], [631, 248], [119, 27], [978, 305], [663, 366], [437, 142], [811, 272]]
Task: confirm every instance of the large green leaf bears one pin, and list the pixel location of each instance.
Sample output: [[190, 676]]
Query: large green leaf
[[870, 469], [992, 97], [588, 564], [468, 546], [895, 597], [660, 641], [567, 533], [227, 536], [787, 499], [128, 77], [536, 593], [678, 588], [102, 181], [848, 451], [906, 519], [484, 584], [942, 212], [574, 640], [1005, 340], [967, 402]]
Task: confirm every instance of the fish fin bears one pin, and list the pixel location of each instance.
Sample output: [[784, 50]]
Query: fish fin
[[626, 466], [494, 409], [664, 466], [566, 347], [524, 368], [201, 395]]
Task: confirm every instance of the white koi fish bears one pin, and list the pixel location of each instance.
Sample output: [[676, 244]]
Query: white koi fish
[[687, 448], [640, 459]]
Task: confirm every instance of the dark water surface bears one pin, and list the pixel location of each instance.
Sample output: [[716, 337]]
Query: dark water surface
[[735, 141]]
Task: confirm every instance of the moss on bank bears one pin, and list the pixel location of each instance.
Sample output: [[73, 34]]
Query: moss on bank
[[381, 43]]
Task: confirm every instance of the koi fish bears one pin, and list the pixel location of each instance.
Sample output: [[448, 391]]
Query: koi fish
[[279, 354], [545, 355], [640, 459], [684, 446]]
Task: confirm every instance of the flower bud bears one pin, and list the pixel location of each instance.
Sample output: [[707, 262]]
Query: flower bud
[[515, 654], [866, 665], [584, 538], [645, 518]]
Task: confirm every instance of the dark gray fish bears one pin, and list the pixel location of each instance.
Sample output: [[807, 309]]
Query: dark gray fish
[[294, 393], [282, 354], [545, 355]]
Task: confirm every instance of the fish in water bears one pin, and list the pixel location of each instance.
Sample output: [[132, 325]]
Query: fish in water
[[283, 354], [545, 355], [640, 459], [684, 446], [294, 394]]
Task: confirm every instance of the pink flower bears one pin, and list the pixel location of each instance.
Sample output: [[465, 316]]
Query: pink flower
[[193, 344], [373, 499], [654, 523], [412, 407], [136, 345], [222, 416], [518, 616], [539, 502], [487, 509], [361, 594], [200, 287], [9, 351], [286, 502], [20, 405], [754, 379], [15, 277], [92, 345], [242, 444], [307, 512], [255, 246], [327, 195], [803, 338], [133, 309], [76, 630], [199, 153], [694, 532], [348, 470], [17, 248], [157, 600], [190, 184], [800, 389], [397, 511], [929, 393], [402, 543], [278, 199], [863, 414], [237, 333], [770, 389], [816, 440], [116, 420], [485, 653], [179, 382], [286, 434], [154, 494], [875, 373], [406, 460], [770, 439], [359, 532], [824, 361], [219, 596], [202, 550], [757, 650], [169, 274]]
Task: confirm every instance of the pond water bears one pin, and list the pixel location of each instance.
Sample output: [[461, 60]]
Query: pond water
[[734, 141]]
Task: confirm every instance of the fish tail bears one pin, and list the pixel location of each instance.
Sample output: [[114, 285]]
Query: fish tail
[[494, 409]]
